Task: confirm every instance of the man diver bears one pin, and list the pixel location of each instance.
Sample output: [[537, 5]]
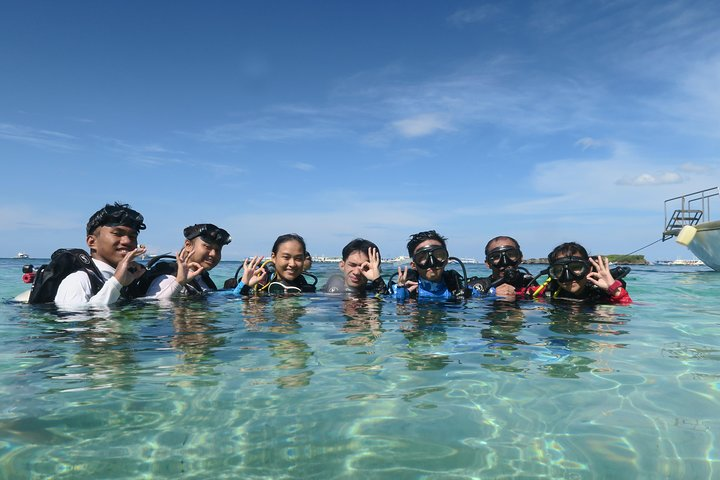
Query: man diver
[[427, 278], [502, 257], [360, 267], [112, 235]]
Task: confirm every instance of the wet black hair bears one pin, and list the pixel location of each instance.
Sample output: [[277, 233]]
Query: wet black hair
[[114, 215], [358, 245], [208, 232], [501, 237], [566, 250], [420, 237], [288, 237]]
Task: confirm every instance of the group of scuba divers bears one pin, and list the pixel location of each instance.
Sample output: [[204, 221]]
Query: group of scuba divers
[[111, 271]]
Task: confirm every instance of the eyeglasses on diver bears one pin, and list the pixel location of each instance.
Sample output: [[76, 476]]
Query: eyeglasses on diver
[[569, 268], [208, 232], [504, 256], [431, 256]]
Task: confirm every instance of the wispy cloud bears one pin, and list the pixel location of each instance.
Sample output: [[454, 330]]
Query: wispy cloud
[[23, 217], [588, 143], [421, 125], [691, 167], [473, 15], [38, 137], [306, 167], [278, 124], [338, 218], [650, 179]]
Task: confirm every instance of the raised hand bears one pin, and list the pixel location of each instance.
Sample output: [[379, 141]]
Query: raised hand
[[186, 270], [601, 276], [371, 268], [404, 282], [252, 273], [127, 271]]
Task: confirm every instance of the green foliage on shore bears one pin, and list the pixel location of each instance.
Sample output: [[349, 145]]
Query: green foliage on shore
[[615, 258], [628, 259]]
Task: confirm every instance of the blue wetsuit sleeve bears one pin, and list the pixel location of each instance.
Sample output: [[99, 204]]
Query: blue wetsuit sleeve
[[238, 290], [401, 293]]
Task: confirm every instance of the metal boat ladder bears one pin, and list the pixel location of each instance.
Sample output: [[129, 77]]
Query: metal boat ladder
[[688, 212]]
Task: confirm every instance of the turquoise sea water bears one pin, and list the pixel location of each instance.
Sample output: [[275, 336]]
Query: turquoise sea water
[[327, 387]]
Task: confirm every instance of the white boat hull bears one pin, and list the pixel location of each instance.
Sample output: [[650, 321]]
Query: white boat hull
[[705, 244]]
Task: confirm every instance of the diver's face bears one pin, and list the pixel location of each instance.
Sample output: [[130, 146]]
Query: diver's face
[[574, 279], [433, 271], [289, 260], [352, 269], [501, 255], [111, 244], [207, 254]]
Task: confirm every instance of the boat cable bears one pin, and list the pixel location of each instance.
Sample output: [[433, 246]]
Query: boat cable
[[641, 248]]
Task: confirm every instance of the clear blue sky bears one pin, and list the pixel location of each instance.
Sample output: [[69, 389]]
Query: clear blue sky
[[549, 121]]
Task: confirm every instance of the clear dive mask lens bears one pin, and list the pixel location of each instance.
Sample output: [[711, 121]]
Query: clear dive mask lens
[[569, 268], [432, 256], [504, 257]]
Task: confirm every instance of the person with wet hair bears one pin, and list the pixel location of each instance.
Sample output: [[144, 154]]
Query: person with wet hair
[[576, 276], [189, 274], [427, 278], [111, 236], [282, 273], [360, 267], [507, 279]]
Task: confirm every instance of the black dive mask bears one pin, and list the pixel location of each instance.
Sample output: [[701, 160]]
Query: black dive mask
[[116, 215], [505, 256], [433, 256], [209, 233], [567, 269]]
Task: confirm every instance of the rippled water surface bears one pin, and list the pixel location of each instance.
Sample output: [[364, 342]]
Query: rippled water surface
[[328, 387]]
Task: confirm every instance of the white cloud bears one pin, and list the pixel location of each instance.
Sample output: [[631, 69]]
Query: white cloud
[[648, 179], [421, 125], [588, 142]]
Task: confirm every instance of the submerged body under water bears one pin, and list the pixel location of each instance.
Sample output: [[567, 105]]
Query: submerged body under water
[[320, 386]]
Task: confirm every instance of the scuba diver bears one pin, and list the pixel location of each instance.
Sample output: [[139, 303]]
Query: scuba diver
[[188, 274], [360, 268], [503, 257], [282, 273], [75, 278], [575, 276], [427, 277]]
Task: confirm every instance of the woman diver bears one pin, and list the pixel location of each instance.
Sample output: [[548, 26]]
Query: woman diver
[[282, 273], [188, 274]]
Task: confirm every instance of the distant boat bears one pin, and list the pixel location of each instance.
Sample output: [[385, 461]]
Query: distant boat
[[690, 225], [22, 255], [681, 262]]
